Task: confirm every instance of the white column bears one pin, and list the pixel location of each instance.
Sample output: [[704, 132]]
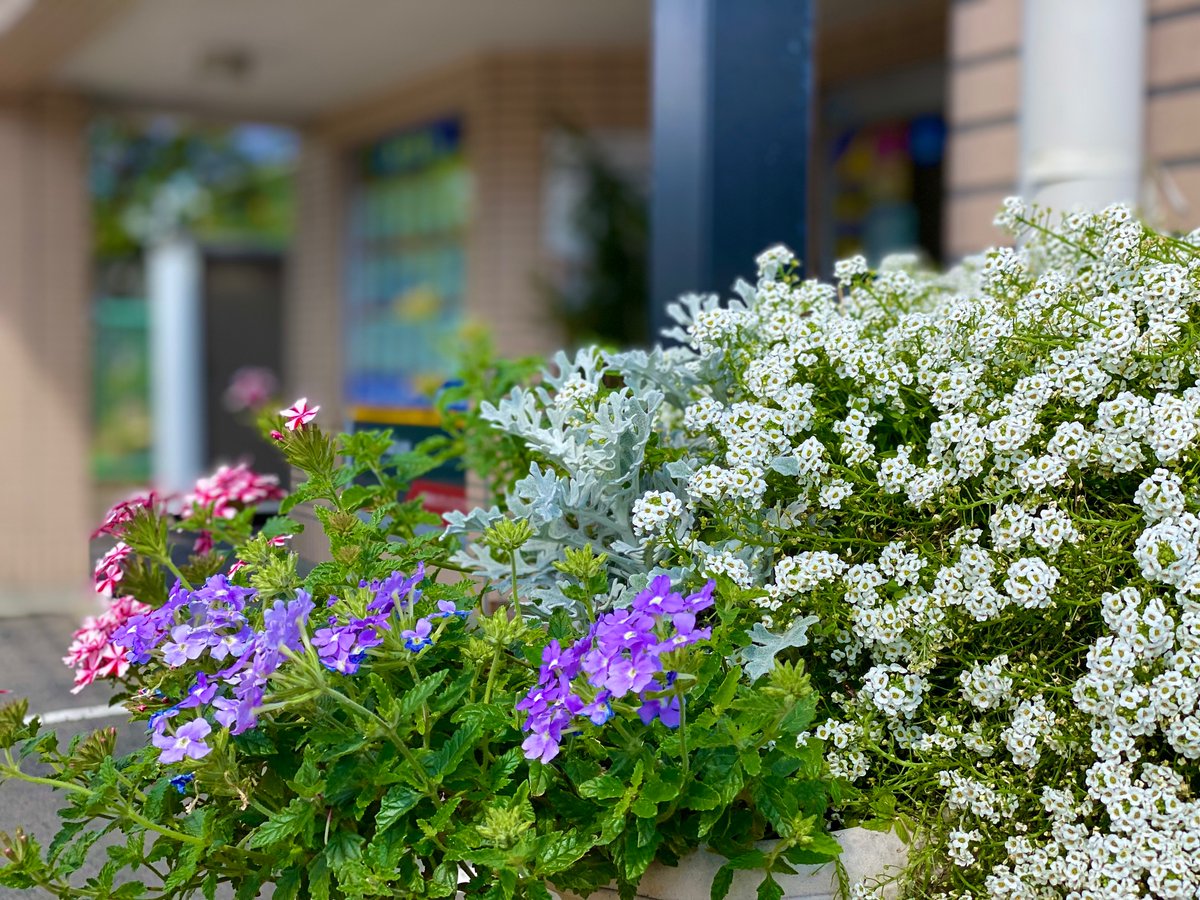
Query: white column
[[173, 280], [1082, 99]]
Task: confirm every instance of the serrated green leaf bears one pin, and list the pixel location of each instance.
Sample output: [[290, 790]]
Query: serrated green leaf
[[446, 759], [698, 795], [664, 785], [248, 889], [721, 883], [277, 525], [344, 847], [644, 808], [725, 693], [800, 717], [287, 885], [396, 802], [770, 889], [602, 787], [183, 867], [557, 851], [413, 699], [76, 853], [295, 818], [156, 798]]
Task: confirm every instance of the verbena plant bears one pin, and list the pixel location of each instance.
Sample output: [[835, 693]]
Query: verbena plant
[[973, 497], [373, 728]]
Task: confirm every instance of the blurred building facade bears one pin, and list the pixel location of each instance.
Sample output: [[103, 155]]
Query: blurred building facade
[[428, 183]]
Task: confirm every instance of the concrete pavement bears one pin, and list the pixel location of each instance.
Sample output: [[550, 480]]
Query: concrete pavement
[[31, 651]]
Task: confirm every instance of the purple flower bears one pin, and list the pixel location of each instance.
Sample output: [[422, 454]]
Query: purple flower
[[628, 674], [417, 637], [659, 599], [665, 710], [187, 741], [201, 693], [186, 644], [540, 745], [395, 590], [620, 655], [446, 609]]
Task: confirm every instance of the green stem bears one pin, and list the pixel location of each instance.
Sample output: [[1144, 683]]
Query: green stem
[[405, 750], [515, 599], [174, 569]]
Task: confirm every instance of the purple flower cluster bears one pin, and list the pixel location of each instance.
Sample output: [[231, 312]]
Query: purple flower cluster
[[621, 655], [216, 623], [342, 647]]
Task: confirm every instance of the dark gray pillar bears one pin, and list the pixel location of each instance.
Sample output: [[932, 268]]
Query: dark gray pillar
[[732, 100]]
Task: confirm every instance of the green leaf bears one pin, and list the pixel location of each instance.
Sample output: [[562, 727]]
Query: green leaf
[[637, 856], [644, 808], [721, 883], [800, 717], [698, 795], [344, 847], [295, 818], [75, 854], [663, 785], [396, 802], [446, 759], [248, 889], [603, 787], [183, 867], [12, 723], [725, 693], [287, 885], [770, 889], [412, 700], [558, 851], [277, 525]]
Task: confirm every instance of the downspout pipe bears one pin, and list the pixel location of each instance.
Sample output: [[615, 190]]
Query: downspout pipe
[[1082, 102]]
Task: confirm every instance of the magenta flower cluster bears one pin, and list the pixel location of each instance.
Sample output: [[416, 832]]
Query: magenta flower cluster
[[620, 656], [215, 622]]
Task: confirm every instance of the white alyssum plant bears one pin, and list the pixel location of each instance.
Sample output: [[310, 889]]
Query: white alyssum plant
[[972, 498]]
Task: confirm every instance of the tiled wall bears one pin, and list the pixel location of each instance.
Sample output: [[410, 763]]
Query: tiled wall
[[508, 105], [44, 492], [984, 136]]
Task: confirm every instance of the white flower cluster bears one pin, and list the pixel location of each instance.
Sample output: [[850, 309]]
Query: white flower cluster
[[654, 511], [986, 486]]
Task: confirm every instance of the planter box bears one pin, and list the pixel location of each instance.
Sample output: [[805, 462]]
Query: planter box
[[866, 855]]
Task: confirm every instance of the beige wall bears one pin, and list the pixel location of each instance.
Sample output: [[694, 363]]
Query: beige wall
[[983, 144], [508, 104], [44, 327], [982, 141]]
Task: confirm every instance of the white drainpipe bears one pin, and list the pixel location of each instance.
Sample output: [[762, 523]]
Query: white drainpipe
[[1082, 100], [173, 281]]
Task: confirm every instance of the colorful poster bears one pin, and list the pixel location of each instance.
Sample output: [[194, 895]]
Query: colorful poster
[[406, 266]]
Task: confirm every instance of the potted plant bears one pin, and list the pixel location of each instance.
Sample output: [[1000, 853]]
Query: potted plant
[[374, 728]]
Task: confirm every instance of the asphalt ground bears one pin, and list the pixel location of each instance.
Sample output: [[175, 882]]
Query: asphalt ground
[[31, 666]]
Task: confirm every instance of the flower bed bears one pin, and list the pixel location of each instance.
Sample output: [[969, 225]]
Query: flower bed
[[918, 552]]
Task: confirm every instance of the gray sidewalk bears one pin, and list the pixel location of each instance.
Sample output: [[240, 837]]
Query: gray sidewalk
[[31, 651]]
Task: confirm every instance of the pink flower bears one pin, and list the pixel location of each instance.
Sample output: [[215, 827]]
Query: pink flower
[[237, 567], [108, 571], [120, 515], [299, 414], [230, 489], [91, 653], [280, 540], [249, 388], [276, 434]]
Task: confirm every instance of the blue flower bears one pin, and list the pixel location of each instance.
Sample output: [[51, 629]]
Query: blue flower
[[180, 782]]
